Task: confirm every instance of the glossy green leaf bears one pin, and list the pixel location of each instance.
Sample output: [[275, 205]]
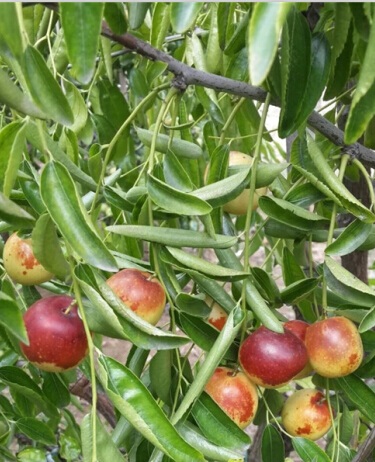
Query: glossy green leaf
[[11, 39], [362, 108], [295, 65], [47, 248], [180, 147], [36, 430], [192, 304], [174, 237], [194, 437], [137, 13], [134, 401], [115, 16], [309, 451], [291, 214], [298, 290], [346, 425], [183, 15], [237, 40], [343, 19], [15, 159], [360, 394], [11, 318], [292, 272], [176, 201], [265, 28], [368, 322], [61, 198], [203, 334], [213, 50], [19, 381], [78, 106], [82, 43], [216, 425], [175, 175], [160, 23], [44, 89], [272, 446], [204, 266], [34, 137], [225, 13], [212, 360], [11, 213], [106, 450], [342, 282], [55, 389], [12, 96], [161, 375], [350, 239], [253, 298], [318, 76], [8, 135], [266, 285]]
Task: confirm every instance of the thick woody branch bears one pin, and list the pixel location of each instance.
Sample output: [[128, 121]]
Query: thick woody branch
[[186, 75]]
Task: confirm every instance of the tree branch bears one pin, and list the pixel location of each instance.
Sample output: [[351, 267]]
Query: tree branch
[[365, 450], [186, 75]]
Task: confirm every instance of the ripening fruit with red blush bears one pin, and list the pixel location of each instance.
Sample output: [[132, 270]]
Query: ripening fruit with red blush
[[21, 264], [57, 337], [334, 347], [299, 328], [271, 359], [306, 414], [141, 292], [235, 394], [217, 317]]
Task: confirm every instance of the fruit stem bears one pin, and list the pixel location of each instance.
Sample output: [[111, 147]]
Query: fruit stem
[[68, 309], [229, 121], [253, 178], [334, 431], [90, 343]]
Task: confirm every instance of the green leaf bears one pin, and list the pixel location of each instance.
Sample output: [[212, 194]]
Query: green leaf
[[15, 159], [253, 298], [55, 389], [298, 290], [272, 445], [160, 23], [192, 304], [106, 449], [12, 96], [11, 213], [309, 451], [176, 201], [61, 198], [44, 89], [216, 425], [360, 394], [291, 214], [115, 16], [174, 237], [11, 318], [212, 360], [350, 202], [181, 148], [362, 108], [78, 106], [266, 23], [350, 239], [295, 65], [161, 375], [175, 175], [47, 248], [11, 39], [318, 76], [350, 288], [137, 13], [368, 322], [39, 140], [8, 135], [82, 42], [183, 15], [199, 264], [134, 401], [31, 455], [194, 437], [36, 430]]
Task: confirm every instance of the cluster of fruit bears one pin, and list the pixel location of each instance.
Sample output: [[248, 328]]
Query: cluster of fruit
[[331, 347]]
